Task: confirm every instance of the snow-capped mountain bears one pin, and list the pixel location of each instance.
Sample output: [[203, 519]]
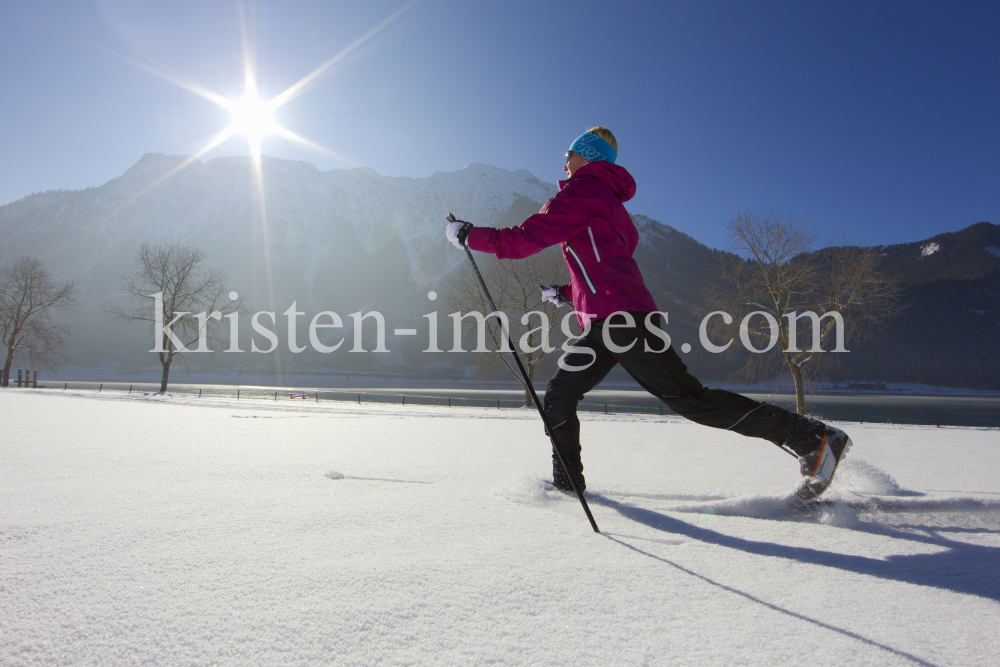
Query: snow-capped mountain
[[327, 226], [340, 240], [350, 240]]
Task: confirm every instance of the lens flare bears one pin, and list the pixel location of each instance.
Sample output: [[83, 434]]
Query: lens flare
[[254, 119]]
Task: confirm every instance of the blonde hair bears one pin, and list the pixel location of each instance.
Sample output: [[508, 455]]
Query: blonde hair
[[605, 133]]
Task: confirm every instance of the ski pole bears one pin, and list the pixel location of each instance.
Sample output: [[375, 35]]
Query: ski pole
[[531, 388]]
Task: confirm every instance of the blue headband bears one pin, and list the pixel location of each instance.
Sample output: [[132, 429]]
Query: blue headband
[[592, 148]]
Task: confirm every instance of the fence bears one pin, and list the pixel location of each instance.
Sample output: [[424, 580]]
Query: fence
[[320, 395], [915, 412], [29, 378]]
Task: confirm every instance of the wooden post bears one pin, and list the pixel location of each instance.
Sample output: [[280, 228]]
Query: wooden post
[[101, 388], [404, 399], [18, 378], [862, 420], [937, 421], [275, 396], [34, 379], [359, 399], [65, 384], [317, 397], [237, 394], [199, 392], [130, 389]]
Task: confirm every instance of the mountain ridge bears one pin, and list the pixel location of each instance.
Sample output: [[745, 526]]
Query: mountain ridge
[[351, 239]]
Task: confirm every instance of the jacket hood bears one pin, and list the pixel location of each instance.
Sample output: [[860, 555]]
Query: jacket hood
[[615, 176]]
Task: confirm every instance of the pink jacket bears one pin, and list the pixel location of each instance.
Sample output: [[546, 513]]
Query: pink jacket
[[597, 236]]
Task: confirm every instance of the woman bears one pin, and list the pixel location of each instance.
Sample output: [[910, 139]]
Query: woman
[[621, 322]]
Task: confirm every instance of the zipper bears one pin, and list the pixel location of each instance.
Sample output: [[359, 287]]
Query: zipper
[[594, 243], [593, 290]]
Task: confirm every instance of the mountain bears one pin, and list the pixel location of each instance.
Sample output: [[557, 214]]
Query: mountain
[[676, 269], [949, 332], [353, 240], [342, 240]]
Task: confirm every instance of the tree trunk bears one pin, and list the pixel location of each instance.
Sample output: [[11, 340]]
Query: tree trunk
[[800, 394], [163, 376], [527, 392], [5, 375]]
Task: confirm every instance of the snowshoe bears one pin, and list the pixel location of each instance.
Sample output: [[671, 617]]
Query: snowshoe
[[560, 479], [818, 466]]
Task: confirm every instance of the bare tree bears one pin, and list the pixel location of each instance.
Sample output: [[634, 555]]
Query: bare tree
[[513, 284], [802, 299], [183, 300], [28, 299]]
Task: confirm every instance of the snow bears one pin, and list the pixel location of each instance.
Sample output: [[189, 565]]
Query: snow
[[206, 204], [993, 250], [930, 249], [172, 531]]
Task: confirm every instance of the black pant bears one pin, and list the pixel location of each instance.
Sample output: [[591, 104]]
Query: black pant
[[664, 375]]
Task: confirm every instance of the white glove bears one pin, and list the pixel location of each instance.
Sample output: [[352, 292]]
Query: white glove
[[457, 231], [553, 295]]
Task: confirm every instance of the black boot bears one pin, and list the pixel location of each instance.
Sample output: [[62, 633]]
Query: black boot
[[560, 479], [819, 447]]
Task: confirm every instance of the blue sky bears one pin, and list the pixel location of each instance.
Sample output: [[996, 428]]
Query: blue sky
[[878, 120]]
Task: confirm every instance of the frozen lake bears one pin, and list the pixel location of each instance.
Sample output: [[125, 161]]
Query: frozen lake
[[877, 408]]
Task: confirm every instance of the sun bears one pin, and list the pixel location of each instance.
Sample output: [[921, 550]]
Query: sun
[[252, 118]]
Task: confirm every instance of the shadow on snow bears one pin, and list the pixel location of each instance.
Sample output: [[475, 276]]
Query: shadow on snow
[[961, 567]]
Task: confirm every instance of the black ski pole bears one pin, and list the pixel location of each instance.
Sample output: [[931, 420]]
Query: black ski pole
[[531, 389]]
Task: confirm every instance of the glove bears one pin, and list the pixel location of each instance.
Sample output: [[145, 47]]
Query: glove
[[457, 231], [554, 295]]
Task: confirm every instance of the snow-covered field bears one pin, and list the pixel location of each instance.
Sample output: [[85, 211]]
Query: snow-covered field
[[177, 531]]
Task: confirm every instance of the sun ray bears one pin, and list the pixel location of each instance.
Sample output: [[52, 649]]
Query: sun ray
[[297, 88], [175, 79], [249, 56], [217, 139], [291, 136], [265, 237]]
